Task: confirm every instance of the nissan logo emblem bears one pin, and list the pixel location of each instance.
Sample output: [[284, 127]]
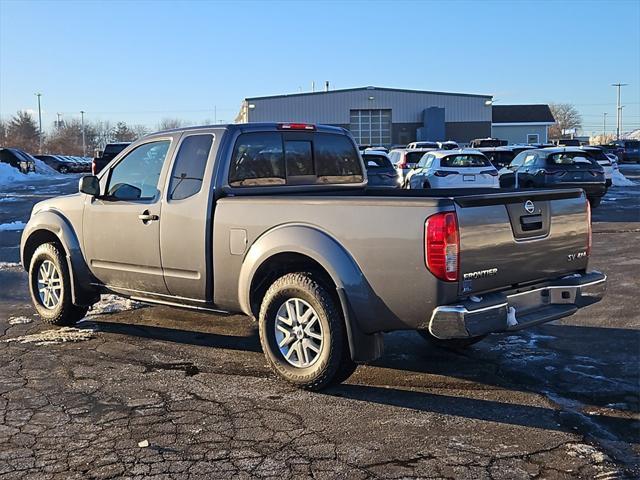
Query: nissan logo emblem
[[529, 206]]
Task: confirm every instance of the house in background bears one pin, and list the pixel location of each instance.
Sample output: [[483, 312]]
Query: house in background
[[521, 123]]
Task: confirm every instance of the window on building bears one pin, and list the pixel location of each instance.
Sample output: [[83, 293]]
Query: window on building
[[533, 138], [371, 127]]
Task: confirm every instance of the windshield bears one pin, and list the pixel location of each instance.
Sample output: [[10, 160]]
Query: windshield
[[632, 144], [114, 149], [376, 162], [465, 161]]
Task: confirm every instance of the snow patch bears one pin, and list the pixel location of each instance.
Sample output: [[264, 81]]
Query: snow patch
[[8, 199], [10, 266], [55, 337], [12, 227], [582, 450], [113, 304], [19, 320], [10, 175], [619, 180]]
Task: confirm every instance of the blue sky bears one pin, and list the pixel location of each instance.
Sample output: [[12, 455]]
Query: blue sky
[[197, 60]]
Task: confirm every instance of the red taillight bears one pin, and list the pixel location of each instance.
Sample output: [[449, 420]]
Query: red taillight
[[442, 246], [93, 166], [296, 126], [589, 228]]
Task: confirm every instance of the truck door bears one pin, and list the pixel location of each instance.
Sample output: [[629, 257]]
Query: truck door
[[121, 228], [187, 212]]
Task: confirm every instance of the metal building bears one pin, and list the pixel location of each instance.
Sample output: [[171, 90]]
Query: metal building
[[380, 116]]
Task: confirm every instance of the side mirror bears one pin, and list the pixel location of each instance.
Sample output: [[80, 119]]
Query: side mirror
[[90, 185]]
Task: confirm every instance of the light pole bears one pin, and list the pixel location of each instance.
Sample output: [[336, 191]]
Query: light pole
[[84, 145], [39, 124], [604, 127], [618, 109]]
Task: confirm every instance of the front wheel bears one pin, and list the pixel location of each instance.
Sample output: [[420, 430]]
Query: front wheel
[[50, 287], [302, 332], [453, 343]]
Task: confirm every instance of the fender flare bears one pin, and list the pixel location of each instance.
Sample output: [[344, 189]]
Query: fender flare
[[354, 292], [52, 221]]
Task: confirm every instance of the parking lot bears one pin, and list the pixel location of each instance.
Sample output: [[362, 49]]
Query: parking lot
[[139, 391]]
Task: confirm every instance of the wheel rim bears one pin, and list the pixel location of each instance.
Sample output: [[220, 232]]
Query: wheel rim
[[49, 285], [298, 333]]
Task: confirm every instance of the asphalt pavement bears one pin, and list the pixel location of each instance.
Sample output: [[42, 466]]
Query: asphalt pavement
[[154, 392]]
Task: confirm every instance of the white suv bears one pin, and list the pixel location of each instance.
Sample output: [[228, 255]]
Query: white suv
[[453, 169]]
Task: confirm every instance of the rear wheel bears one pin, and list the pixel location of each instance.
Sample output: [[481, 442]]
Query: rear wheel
[[50, 287], [453, 343], [426, 185], [302, 332]]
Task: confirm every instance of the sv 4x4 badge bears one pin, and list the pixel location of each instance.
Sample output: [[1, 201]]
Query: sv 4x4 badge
[[576, 256]]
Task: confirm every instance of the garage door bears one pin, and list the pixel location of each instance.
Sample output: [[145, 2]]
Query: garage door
[[371, 127]]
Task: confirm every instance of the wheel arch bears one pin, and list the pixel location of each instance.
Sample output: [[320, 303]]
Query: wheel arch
[[300, 247], [50, 226]]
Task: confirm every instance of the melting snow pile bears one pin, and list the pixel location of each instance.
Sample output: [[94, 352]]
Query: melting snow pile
[[13, 226], [10, 175], [10, 266], [114, 304], [55, 337], [619, 180]]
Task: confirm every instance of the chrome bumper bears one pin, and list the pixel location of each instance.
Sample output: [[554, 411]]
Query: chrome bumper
[[518, 309]]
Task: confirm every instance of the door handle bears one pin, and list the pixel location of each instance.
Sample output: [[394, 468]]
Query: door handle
[[148, 217]]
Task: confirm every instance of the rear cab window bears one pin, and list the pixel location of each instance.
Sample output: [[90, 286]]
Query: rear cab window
[[373, 162], [274, 158], [414, 157], [571, 158]]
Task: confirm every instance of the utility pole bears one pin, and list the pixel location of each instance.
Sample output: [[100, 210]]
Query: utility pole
[[604, 127], [59, 123], [84, 144], [39, 124], [215, 114], [618, 109]]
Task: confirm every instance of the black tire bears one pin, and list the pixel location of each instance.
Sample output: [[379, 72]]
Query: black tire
[[333, 362], [453, 343], [64, 312], [595, 201], [426, 185]]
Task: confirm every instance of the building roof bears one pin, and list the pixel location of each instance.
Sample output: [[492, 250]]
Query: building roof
[[522, 114], [400, 90]]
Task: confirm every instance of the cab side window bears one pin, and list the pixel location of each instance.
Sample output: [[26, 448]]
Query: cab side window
[[188, 168], [136, 176]]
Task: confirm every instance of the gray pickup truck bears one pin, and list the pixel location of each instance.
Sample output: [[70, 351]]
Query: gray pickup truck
[[276, 221]]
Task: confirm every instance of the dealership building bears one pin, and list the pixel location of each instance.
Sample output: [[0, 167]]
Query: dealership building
[[380, 116]]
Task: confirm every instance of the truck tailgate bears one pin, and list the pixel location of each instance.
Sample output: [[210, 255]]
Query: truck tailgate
[[512, 238]]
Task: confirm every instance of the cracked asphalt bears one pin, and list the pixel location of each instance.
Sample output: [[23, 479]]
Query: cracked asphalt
[[557, 401]]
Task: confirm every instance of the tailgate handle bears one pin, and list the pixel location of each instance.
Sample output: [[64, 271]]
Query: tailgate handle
[[531, 222]]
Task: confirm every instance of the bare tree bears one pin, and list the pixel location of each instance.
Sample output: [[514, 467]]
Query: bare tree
[[169, 123], [3, 133], [22, 132], [139, 130], [67, 138], [104, 133], [567, 118]]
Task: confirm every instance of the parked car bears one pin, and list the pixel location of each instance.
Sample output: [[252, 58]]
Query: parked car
[[453, 169], [448, 145], [487, 142], [613, 148], [599, 156], [56, 162], [630, 150], [276, 221], [500, 157], [567, 142], [111, 150], [405, 159], [18, 159], [416, 145], [556, 167], [377, 149], [380, 171], [614, 160]]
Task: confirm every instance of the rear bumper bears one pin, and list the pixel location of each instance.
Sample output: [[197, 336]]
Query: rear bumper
[[518, 309]]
